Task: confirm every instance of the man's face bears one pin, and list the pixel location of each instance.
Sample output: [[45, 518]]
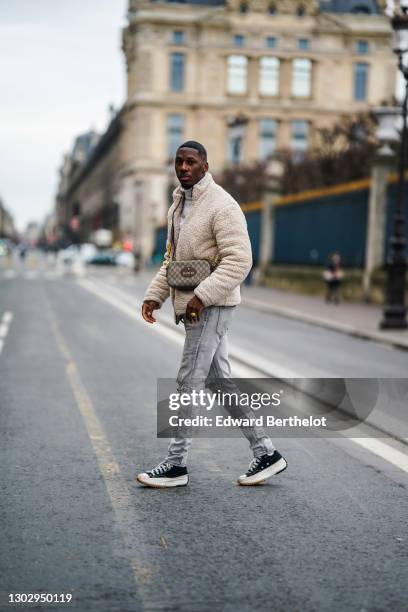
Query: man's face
[[190, 167]]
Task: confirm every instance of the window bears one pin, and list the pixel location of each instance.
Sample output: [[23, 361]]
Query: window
[[237, 74], [243, 8], [239, 40], [267, 140], [175, 128], [299, 135], [271, 42], [301, 78], [300, 11], [360, 81], [236, 133], [178, 37], [362, 47], [303, 44], [269, 76], [272, 9], [234, 150], [177, 71]]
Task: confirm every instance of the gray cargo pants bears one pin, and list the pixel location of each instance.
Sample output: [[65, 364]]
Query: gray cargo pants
[[205, 358]]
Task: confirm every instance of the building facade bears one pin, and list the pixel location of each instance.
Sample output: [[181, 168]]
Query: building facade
[[246, 78], [89, 185], [7, 228]]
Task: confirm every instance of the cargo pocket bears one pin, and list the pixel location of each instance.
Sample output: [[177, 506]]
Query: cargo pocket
[[224, 319]]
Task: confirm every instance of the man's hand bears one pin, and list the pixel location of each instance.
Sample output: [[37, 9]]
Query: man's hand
[[194, 309], [147, 310]]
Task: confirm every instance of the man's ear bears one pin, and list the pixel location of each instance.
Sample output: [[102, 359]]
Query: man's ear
[[206, 166]]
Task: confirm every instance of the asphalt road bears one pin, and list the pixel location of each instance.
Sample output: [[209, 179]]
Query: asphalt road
[[78, 378]]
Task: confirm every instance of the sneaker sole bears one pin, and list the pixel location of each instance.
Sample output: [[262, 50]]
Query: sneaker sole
[[263, 476], [160, 483]]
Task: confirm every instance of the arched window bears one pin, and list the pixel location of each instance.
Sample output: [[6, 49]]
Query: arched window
[[300, 11], [243, 8], [272, 9]]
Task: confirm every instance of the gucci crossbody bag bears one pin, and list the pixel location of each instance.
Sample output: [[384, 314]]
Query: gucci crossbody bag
[[185, 275]]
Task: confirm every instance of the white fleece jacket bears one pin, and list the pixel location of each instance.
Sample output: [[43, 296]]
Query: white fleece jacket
[[215, 227]]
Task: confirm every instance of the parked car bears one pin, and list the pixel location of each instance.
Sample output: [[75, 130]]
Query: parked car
[[104, 257]]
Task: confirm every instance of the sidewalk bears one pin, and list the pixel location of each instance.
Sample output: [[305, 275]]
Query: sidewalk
[[361, 320]]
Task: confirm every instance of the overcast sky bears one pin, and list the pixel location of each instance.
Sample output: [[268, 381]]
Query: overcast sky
[[60, 68]]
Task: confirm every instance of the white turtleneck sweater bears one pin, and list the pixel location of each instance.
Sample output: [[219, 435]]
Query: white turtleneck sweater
[[188, 201]]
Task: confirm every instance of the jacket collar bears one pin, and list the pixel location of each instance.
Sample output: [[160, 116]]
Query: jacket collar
[[198, 189]]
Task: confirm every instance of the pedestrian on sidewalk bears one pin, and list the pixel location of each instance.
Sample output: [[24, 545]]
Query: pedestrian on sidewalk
[[333, 275], [205, 223]]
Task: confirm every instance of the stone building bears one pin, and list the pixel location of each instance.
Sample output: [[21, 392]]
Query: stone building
[[7, 228], [244, 77], [89, 185]]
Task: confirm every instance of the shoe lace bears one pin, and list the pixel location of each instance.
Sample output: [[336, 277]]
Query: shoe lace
[[161, 468], [254, 464]]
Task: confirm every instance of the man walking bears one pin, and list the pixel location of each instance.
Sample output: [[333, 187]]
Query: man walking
[[205, 222]]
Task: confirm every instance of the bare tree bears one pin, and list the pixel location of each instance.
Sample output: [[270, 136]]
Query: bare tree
[[246, 182], [345, 152]]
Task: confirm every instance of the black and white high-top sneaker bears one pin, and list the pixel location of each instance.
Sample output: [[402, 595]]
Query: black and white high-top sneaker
[[164, 475], [263, 467]]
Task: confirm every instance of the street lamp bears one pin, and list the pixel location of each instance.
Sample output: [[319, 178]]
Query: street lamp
[[395, 312]]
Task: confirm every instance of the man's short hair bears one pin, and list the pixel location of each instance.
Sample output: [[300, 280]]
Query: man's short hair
[[193, 144]]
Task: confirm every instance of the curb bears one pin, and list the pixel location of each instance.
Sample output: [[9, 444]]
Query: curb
[[343, 328]]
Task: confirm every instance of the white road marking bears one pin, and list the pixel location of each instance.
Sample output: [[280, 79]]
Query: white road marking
[[116, 485], [377, 447], [8, 317], [384, 450], [41, 273], [251, 365], [30, 274], [53, 274], [9, 274], [240, 370], [4, 327]]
